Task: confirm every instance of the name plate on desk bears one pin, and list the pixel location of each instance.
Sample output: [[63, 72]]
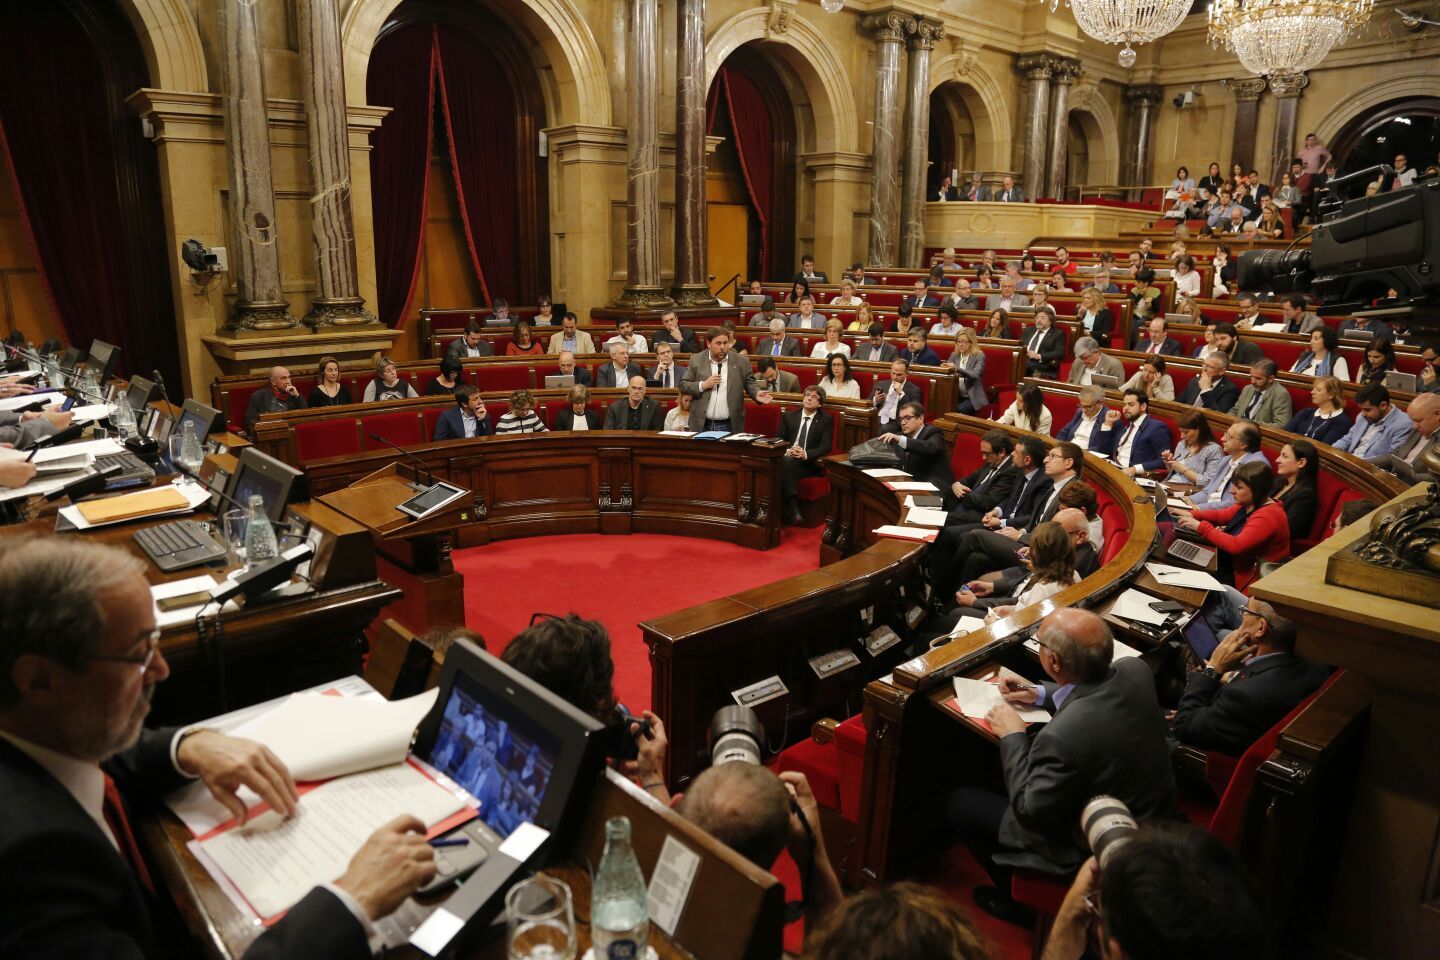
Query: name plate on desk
[[836, 661], [760, 691]]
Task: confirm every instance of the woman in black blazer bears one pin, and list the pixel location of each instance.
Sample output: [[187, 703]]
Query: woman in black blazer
[[1094, 316], [576, 416], [1297, 468]]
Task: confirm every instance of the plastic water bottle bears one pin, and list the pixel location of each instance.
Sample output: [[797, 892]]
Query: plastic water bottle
[[260, 542], [192, 455], [619, 913], [123, 419]]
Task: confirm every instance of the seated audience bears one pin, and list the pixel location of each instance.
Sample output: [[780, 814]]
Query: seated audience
[[682, 339], [1050, 561], [779, 343], [1379, 360], [619, 371], [544, 312], [808, 274], [1187, 279], [964, 297], [1013, 273], [1044, 346], [466, 419], [678, 417], [1210, 388], [568, 368], [967, 363], [988, 486], [1297, 470], [900, 921], [1208, 346], [1241, 445], [444, 385], [1251, 529], [1095, 318], [1271, 225], [1323, 358], [917, 351], [1424, 414], [776, 379], [1089, 360], [904, 319], [806, 318], [1110, 741], [864, 318], [471, 343], [80, 654], [569, 338], [329, 391], [280, 396], [996, 326], [875, 349], [923, 453], [1349, 512], [1327, 421], [837, 381], [798, 289], [1102, 282], [1028, 410], [577, 415], [521, 417], [499, 313], [1430, 372], [1146, 299], [522, 342], [947, 322], [1006, 299], [1152, 380], [387, 384], [1158, 341], [1136, 448], [810, 431], [890, 394], [1197, 457], [1365, 327], [1089, 415], [832, 344], [767, 314], [1381, 429], [635, 411], [626, 336], [667, 373], [1264, 399], [847, 298], [1297, 316], [857, 273], [1241, 353]]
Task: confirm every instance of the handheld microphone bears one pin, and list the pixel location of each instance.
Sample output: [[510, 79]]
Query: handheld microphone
[[392, 444]]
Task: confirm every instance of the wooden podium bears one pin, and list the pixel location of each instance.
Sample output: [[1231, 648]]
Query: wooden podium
[[413, 554]]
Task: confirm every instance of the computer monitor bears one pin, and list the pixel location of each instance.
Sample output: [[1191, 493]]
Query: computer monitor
[[102, 360], [490, 718], [275, 482], [206, 419], [140, 393]]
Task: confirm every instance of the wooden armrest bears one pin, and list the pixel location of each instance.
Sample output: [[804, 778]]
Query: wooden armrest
[[1323, 725], [823, 730]]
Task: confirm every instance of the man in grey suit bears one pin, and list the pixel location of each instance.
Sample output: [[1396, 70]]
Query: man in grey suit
[[807, 318], [619, 371], [720, 381], [1106, 736], [767, 314], [778, 344], [1007, 299], [875, 349], [469, 344], [1090, 361], [1263, 400]]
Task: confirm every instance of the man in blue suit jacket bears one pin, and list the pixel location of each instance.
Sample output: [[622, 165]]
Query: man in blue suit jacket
[[1241, 444], [466, 419], [1137, 445], [1084, 428]]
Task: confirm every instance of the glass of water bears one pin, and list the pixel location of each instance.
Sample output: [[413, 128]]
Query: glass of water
[[234, 522], [541, 920]]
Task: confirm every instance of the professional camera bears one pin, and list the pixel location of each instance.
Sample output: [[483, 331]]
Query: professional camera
[[736, 734], [617, 740], [1363, 248], [1108, 826]]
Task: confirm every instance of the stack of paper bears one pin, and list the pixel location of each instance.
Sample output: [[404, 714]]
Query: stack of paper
[[1181, 577], [886, 473], [912, 486], [976, 698], [190, 496], [1123, 650], [906, 533], [925, 517], [1134, 605], [967, 624]]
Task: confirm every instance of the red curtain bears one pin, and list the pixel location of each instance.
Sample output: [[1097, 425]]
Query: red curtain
[[480, 122], [402, 77], [89, 195], [755, 143]]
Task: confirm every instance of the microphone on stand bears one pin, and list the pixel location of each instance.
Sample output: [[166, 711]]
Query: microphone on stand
[[392, 444]]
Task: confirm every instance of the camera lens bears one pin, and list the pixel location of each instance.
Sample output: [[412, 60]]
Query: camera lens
[[1108, 826], [736, 734]]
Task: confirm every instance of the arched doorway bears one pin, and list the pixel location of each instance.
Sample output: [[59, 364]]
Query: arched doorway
[[468, 221], [953, 149], [1410, 126], [1076, 174], [750, 106]]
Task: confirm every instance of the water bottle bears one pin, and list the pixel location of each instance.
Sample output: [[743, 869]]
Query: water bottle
[[123, 419], [619, 913], [192, 455], [260, 542]]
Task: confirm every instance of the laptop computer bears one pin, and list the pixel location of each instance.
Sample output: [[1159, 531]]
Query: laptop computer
[[1404, 382], [1402, 468], [559, 381], [1188, 550], [1105, 381], [752, 299], [1179, 318]]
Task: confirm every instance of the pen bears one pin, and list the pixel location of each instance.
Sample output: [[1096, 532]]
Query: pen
[[31, 455], [453, 842]]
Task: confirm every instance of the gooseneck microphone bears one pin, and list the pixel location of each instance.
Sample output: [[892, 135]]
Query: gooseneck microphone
[[395, 446]]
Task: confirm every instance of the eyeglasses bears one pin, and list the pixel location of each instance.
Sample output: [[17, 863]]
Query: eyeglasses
[[143, 661], [906, 418]]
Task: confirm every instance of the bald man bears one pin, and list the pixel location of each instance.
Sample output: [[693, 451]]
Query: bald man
[[281, 395], [634, 411], [1106, 736], [1424, 413]]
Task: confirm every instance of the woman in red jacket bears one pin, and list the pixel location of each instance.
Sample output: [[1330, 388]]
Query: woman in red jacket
[[1252, 530]]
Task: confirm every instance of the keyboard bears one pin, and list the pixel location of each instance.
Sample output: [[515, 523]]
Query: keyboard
[[181, 544], [1191, 552], [133, 471]]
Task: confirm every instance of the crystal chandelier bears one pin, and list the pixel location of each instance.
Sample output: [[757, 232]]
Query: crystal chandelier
[[1284, 36], [832, 6], [1126, 21]]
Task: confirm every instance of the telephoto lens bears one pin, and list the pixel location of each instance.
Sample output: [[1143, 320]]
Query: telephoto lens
[[736, 734], [1107, 825]]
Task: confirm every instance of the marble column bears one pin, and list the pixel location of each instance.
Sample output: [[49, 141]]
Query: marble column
[[1287, 88], [337, 300], [642, 232], [691, 249], [255, 259], [1247, 115], [889, 29], [1037, 71], [917, 143], [1142, 100], [1062, 79]]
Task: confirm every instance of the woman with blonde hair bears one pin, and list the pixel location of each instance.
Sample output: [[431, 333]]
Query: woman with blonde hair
[[387, 384], [329, 391], [1094, 316], [847, 296], [679, 416], [967, 362], [863, 319], [832, 343], [1327, 421]]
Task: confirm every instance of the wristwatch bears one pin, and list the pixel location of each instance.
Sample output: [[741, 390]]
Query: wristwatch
[[1211, 672]]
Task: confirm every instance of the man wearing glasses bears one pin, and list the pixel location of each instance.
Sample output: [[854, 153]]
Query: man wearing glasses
[[1269, 681], [79, 662], [923, 454]]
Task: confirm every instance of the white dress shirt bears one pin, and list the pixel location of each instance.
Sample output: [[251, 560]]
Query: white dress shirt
[[1084, 430], [1127, 441], [636, 343], [719, 406]]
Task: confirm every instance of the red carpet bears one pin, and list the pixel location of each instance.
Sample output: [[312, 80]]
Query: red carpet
[[618, 580]]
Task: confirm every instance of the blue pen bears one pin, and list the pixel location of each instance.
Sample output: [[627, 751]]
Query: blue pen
[[455, 842]]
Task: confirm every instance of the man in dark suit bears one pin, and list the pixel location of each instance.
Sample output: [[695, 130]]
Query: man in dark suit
[[682, 338], [1158, 340], [808, 272], [720, 380], [470, 344], [1241, 353], [666, 374], [945, 191], [280, 395], [1136, 445], [1269, 682], [80, 657], [466, 419], [566, 362], [978, 493], [875, 349], [1084, 428], [810, 431], [619, 371], [1044, 346], [634, 411], [1211, 389], [775, 379], [923, 452], [859, 277], [778, 344], [890, 395], [1008, 192], [1105, 737]]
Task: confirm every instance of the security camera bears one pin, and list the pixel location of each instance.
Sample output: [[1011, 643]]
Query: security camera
[[203, 259], [1179, 100]]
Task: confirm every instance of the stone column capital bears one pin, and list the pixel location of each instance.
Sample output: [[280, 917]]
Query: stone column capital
[[1148, 95], [927, 34], [1036, 67], [1065, 71], [891, 26], [1245, 89], [1288, 85]]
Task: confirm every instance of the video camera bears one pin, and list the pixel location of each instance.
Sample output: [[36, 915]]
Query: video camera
[[1363, 248]]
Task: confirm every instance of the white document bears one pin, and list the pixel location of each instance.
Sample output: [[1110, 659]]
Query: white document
[[91, 412], [912, 486], [1134, 605], [925, 517], [194, 495], [96, 448], [976, 698], [967, 625], [670, 883], [886, 473], [1123, 650], [1182, 577], [273, 862], [676, 433], [47, 397], [39, 486], [905, 533]]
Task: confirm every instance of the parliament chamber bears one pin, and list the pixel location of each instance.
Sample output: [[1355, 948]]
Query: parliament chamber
[[614, 478]]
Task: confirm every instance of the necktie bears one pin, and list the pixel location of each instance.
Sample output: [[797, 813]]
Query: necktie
[[1034, 346], [1154, 347], [1254, 402], [665, 379], [804, 433], [775, 349], [1015, 499], [1128, 430], [114, 811]]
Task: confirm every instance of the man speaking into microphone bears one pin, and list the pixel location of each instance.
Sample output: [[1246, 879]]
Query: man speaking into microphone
[[719, 381]]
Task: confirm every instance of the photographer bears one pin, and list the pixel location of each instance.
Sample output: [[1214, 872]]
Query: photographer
[[1171, 892]]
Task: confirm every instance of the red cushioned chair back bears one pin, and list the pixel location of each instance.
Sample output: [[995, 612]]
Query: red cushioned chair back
[[403, 427], [1181, 377], [356, 382], [866, 379], [943, 348], [999, 366], [762, 418], [504, 376], [850, 738], [430, 418], [328, 438], [1116, 529], [965, 458], [240, 402], [807, 374], [1062, 407], [1285, 353], [545, 369]]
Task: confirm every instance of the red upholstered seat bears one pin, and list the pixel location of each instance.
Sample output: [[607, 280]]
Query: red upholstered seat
[[1283, 352], [327, 438], [762, 418], [850, 738], [1062, 407], [431, 417], [820, 766], [812, 488], [1116, 530], [835, 770], [965, 457], [503, 376], [239, 403], [403, 427], [866, 379]]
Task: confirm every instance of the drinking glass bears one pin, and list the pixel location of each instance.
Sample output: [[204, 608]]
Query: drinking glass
[[234, 522], [541, 920], [177, 453]]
